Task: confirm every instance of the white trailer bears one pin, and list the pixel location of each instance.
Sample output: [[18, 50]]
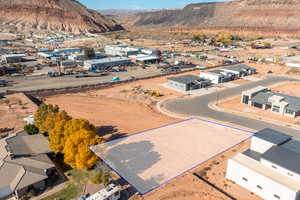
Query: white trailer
[[111, 192]]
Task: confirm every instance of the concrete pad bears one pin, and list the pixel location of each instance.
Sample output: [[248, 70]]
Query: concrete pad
[[152, 158], [230, 85], [251, 78]]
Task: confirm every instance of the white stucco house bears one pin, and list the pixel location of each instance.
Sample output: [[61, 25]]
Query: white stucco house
[[270, 168]]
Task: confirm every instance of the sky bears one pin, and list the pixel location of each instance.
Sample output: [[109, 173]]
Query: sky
[[139, 4]]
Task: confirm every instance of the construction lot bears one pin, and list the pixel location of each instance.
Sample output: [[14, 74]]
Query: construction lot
[[152, 158]]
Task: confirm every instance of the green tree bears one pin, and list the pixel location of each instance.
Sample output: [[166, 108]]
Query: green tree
[[31, 129], [89, 53]]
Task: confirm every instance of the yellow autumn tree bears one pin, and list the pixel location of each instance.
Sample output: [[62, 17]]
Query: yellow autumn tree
[[51, 119], [79, 134], [41, 114], [56, 138]]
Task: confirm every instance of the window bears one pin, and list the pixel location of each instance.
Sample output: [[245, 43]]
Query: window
[[287, 111], [276, 196], [245, 179], [258, 186], [276, 109]]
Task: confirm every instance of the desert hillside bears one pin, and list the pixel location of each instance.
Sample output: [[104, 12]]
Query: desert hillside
[[248, 14], [53, 15]]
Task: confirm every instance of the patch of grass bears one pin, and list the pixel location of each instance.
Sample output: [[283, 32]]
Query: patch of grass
[[71, 191], [74, 187]]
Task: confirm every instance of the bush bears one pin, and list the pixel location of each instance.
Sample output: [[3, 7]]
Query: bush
[[31, 129], [96, 179]]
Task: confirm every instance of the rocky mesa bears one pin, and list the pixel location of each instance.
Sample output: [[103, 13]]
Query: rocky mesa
[[251, 14], [54, 15]]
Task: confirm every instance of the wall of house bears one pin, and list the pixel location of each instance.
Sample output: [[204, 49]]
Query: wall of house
[[260, 145], [280, 169], [257, 183], [213, 78], [177, 85]]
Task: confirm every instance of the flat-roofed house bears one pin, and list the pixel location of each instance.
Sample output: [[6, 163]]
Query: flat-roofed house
[[278, 103], [217, 76], [270, 168], [187, 82], [241, 70], [24, 164]]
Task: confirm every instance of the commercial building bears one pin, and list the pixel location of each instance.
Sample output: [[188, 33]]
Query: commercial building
[[68, 64], [81, 57], [24, 164], [240, 70], [146, 59], [12, 58], [106, 63], [187, 82], [270, 168], [68, 51], [218, 76], [121, 50], [264, 98]]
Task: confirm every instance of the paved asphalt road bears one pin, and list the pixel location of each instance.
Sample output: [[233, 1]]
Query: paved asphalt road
[[199, 106]]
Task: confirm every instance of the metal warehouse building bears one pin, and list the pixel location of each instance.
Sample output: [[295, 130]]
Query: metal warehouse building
[[106, 63], [121, 50], [187, 82], [270, 168]]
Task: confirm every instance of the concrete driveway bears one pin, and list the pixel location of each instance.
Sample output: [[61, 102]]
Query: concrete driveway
[[198, 106]]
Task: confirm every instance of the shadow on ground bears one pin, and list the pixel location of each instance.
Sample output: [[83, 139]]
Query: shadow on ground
[[130, 160]]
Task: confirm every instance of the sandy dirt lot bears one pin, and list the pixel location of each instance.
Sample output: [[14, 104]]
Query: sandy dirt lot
[[189, 187], [120, 110], [289, 88], [13, 109], [166, 152]]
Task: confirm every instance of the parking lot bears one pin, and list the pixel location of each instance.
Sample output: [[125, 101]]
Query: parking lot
[[152, 158]]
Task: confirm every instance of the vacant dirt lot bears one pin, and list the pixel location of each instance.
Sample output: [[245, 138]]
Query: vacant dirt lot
[[167, 152], [122, 109], [189, 187], [289, 88], [13, 109]]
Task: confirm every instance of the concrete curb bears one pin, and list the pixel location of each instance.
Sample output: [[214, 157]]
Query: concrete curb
[[272, 121]]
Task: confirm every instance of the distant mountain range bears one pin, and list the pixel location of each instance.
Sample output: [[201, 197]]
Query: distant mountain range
[[53, 15], [248, 14]]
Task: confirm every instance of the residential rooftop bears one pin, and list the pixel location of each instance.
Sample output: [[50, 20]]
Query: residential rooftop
[[283, 157], [273, 136], [186, 79], [23, 160], [263, 98]]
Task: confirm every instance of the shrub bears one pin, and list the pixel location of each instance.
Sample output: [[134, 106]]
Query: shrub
[[96, 179], [31, 129]]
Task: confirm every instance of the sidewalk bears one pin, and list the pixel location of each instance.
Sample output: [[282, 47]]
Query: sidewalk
[[272, 121]]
